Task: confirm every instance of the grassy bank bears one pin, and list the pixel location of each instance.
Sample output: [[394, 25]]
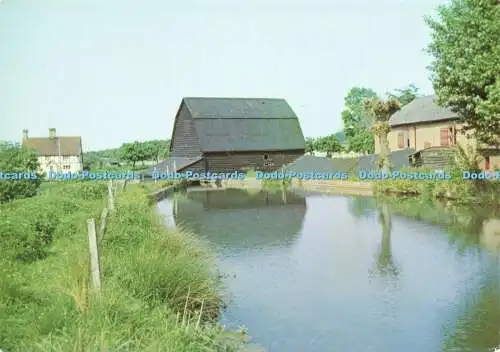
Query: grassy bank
[[455, 189], [159, 291]]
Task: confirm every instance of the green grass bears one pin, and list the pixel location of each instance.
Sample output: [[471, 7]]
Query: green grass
[[456, 189], [160, 290]]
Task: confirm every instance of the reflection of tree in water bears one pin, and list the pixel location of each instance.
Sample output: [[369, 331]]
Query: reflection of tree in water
[[361, 206], [385, 265], [478, 328]]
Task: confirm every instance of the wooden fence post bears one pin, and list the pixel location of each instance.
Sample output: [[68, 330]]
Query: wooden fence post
[[111, 200], [104, 218], [94, 255]]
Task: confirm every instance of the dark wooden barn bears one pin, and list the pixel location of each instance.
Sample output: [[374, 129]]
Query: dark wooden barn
[[230, 134]]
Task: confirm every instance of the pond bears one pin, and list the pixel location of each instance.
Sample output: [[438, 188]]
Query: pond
[[311, 272]]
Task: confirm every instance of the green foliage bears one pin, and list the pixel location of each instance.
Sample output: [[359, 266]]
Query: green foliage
[[310, 145], [466, 52], [31, 225], [131, 153], [356, 121], [157, 149], [404, 95], [328, 145], [380, 112], [275, 184], [160, 289], [18, 160], [457, 189], [8, 145]]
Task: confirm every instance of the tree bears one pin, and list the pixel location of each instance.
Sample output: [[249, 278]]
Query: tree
[[404, 95], [380, 112], [157, 149], [465, 48], [356, 121], [310, 145], [4, 145], [133, 152], [329, 144], [20, 166]]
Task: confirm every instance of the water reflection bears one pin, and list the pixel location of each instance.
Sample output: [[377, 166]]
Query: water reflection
[[385, 265], [298, 270], [477, 328], [273, 218]]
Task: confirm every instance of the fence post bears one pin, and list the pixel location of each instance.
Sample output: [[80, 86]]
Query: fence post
[[94, 255], [111, 200], [104, 218]]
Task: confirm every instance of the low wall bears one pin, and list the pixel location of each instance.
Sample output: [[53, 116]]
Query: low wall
[[245, 183], [163, 193], [335, 186], [326, 186]]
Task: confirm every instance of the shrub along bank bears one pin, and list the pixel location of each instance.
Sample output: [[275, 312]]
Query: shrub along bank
[[456, 188], [159, 288]]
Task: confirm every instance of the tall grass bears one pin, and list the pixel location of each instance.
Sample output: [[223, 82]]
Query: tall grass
[[159, 291]]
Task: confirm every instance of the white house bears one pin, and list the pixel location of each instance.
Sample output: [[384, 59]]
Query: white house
[[56, 153]]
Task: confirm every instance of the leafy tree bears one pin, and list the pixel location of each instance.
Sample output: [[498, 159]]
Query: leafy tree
[[157, 149], [329, 144], [357, 121], [4, 145], [133, 152], [465, 71], [380, 112], [20, 166], [404, 95], [310, 145]]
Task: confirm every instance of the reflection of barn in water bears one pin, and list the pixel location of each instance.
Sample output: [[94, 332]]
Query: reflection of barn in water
[[238, 219]]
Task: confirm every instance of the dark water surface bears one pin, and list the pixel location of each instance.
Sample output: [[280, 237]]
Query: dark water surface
[[333, 273]]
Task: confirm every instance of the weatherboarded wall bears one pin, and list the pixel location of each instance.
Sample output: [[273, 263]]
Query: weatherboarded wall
[[221, 162], [185, 142]]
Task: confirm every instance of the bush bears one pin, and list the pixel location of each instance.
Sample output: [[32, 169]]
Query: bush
[[15, 160], [458, 189]]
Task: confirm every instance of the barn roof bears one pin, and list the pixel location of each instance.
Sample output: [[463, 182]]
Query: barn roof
[[245, 124], [421, 110]]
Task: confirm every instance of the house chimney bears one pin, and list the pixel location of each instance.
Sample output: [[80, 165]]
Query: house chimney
[[25, 134], [52, 133]]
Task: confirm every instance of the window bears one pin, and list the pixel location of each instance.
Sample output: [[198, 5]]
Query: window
[[267, 160], [67, 167], [66, 157], [401, 140], [445, 136]]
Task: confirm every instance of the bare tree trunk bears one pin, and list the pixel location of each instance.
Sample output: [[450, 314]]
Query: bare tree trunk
[[384, 152]]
